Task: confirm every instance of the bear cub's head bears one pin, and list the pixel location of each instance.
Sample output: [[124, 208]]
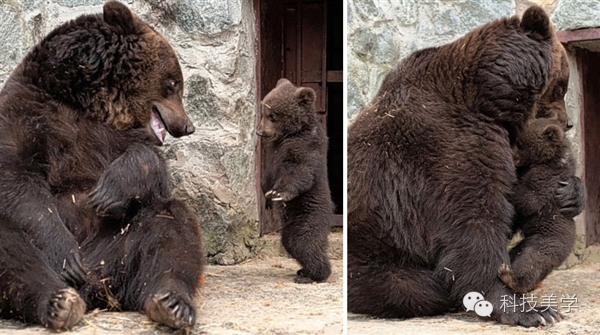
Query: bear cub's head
[[542, 141], [286, 110]]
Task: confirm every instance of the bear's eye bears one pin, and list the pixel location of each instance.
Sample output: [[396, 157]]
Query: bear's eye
[[173, 85], [543, 113], [271, 117], [558, 93]]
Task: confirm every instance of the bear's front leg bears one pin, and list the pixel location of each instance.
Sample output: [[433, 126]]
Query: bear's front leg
[[293, 179], [29, 206], [138, 175], [527, 200], [571, 197]]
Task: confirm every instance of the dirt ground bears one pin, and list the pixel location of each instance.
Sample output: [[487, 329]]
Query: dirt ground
[[255, 297], [582, 280]]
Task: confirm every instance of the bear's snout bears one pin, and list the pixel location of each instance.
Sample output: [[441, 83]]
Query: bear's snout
[[176, 121], [189, 128]]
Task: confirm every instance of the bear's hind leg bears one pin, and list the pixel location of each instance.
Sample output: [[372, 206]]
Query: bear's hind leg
[[546, 244], [154, 263], [389, 290], [31, 290], [177, 264], [308, 245]]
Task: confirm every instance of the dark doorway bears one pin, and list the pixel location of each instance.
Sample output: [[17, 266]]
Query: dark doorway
[[585, 46], [302, 40]]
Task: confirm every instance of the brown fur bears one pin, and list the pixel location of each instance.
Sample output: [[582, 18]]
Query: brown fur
[[85, 188]]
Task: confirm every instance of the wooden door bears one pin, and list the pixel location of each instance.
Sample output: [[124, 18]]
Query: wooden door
[[584, 44], [589, 64]]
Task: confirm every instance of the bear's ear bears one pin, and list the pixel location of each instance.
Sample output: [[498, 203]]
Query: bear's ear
[[553, 133], [119, 16], [282, 81], [536, 22], [305, 96]]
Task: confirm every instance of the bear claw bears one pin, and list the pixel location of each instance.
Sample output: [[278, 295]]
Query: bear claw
[[503, 270], [273, 195], [65, 310], [505, 274], [278, 196], [169, 309]]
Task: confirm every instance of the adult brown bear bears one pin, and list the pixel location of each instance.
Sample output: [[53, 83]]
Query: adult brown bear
[[86, 218], [430, 170]]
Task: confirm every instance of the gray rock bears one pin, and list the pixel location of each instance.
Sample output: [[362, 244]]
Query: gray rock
[[236, 162], [349, 15], [30, 5], [386, 50], [355, 99], [207, 16], [446, 22], [367, 9], [213, 170], [14, 37], [201, 102], [362, 42], [570, 15], [443, 22], [198, 177], [405, 11], [477, 13], [80, 3], [375, 46], [522, 5]]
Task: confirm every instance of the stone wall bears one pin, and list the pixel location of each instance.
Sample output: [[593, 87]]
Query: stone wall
[[213, 170]]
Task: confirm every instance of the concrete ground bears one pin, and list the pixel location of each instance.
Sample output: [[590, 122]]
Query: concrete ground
[[255, 297], [582, 280]]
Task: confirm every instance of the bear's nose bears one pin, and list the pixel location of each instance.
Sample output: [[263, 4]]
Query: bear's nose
[[259, 132], [189, 129], [569, 124]]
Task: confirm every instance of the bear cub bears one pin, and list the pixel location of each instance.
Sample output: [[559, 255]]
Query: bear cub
[[543, 158], [295, 181]]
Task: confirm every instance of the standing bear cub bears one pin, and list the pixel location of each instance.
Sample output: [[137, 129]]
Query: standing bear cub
[[295, 178], [543, 155], [86, 218]]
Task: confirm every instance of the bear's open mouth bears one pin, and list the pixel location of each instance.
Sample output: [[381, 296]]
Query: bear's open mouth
[[157, 124]]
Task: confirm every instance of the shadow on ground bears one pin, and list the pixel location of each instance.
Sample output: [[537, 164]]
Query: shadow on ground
[[582, 280]]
